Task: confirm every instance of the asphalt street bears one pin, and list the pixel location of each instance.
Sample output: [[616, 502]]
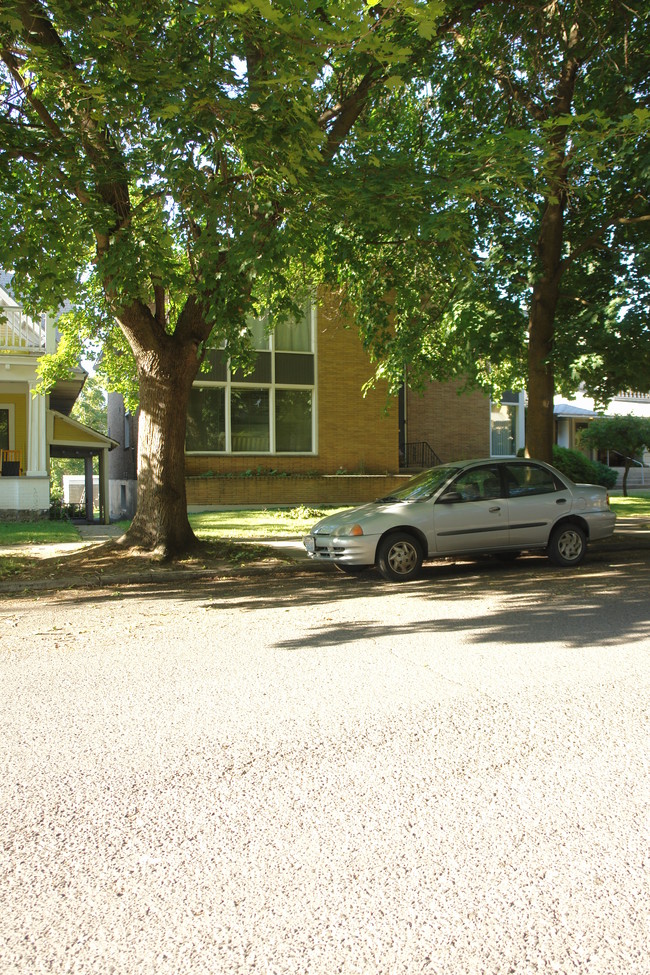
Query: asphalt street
[[310, 773]]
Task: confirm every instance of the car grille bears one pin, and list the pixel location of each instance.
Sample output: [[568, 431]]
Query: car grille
[[328, 549]]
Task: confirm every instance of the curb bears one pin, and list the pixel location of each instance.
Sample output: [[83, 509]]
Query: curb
[[159, 576], [629, 536]]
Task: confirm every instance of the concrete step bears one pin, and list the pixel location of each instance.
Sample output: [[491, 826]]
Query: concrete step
[[637, 478]]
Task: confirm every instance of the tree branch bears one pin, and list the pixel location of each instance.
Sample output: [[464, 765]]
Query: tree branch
[[595, 241], [105, 159], [349, 112]]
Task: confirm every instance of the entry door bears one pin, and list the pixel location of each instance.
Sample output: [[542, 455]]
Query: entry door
[[478, 520]]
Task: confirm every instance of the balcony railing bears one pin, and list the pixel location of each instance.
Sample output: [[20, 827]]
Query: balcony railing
[[19, 332], [632, 397]]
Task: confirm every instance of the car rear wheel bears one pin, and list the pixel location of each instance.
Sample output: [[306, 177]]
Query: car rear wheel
[[567, 545], [399, 557]]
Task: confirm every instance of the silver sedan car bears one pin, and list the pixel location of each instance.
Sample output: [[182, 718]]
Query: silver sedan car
[[472, 507]]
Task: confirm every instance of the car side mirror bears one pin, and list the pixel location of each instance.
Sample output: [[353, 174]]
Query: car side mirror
[[449, 497]]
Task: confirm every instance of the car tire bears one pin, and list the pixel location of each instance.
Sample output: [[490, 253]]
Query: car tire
[[567, 545], [399, 557], [351, 570]]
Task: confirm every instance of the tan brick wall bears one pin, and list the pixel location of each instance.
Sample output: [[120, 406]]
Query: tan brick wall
[[203, 492], [456, 425], [354, 432]]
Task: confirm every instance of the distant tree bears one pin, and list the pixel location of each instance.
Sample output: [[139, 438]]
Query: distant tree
[[626, 435], [91, 406]]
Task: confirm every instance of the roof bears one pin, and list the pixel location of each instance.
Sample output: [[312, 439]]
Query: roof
[[71, 438], [568, 409]]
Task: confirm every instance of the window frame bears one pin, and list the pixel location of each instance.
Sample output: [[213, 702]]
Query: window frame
[[228, 385]]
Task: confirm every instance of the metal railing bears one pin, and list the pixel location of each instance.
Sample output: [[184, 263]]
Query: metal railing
[[419, 454], [11, 463]]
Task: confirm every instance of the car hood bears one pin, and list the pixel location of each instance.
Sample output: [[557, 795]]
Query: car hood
[[367, 515]]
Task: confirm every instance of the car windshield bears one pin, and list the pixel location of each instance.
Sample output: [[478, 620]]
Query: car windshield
[[423, 485]]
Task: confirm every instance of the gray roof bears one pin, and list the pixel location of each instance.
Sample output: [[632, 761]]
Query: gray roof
[[568, 409]]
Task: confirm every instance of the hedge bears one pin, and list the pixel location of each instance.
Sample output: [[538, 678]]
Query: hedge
[[581, 470]]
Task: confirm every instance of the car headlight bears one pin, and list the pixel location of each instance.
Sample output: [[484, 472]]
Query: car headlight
[[348, 530]]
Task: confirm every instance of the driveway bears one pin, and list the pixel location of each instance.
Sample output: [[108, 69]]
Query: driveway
[[319, 774]]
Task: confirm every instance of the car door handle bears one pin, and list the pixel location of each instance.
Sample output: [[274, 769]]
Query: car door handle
[[561, 501], [497, 508]]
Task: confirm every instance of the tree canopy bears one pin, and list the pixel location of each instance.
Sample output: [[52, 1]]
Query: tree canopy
[[161, 165], [474, 174], [519, 258]]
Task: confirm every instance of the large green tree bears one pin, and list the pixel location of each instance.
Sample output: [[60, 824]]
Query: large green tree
[[521, 258], [160, 166]]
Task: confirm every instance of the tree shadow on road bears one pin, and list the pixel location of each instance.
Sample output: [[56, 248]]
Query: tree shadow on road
[[602, 602], [597, 604]]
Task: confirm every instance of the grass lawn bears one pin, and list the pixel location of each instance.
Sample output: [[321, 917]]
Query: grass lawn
[[259, 523], [634, 506], [37, 532]]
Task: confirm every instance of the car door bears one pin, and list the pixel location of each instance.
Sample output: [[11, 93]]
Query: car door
[[472, 513], [537, 499]]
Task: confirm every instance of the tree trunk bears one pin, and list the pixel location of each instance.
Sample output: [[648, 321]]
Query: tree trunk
[[161, 523], [628, 464], [540, 433]]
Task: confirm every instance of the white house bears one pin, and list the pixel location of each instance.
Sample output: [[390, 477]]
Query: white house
[[571, 416]]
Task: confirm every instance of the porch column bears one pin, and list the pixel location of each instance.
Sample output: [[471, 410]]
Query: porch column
[[88, 472], [36, 460], [104, 499]]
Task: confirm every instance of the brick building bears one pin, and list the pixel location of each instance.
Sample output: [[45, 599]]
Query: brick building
[[298, 428]]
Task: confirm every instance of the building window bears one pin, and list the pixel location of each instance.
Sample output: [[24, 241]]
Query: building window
[[7, 426], [506, 418], [293, 415], [268, 410], [4, 428], [249, 420], [206, 419]]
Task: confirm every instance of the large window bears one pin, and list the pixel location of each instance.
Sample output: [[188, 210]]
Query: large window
[[268, 410]]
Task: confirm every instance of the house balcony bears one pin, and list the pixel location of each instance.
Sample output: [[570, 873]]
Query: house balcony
[[19, 332]]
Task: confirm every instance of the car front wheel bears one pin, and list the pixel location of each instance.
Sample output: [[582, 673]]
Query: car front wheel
[[567, 545], [399, 557]]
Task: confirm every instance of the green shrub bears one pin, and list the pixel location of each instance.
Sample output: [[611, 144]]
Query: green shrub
[[581, 470], [60, 511]]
